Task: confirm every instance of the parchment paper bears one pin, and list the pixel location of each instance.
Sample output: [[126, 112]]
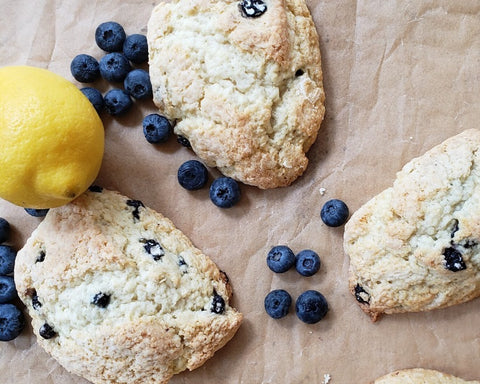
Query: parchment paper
[[400, 77]]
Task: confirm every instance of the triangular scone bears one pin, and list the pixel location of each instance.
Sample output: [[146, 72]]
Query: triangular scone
[[420, 376], [247, 92], [416, 246], [117, 294]]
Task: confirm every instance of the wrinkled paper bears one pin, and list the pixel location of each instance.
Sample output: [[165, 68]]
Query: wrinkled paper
[[399, 76]]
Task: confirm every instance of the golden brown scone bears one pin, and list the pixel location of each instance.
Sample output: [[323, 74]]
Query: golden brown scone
[[420, 376], [117, 294], [247, 92], [416, 246]]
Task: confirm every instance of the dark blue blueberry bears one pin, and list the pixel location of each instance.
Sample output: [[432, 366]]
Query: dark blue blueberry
[[138, 85], [136, 204], [307, 262], [224, 192], [280, 259], [218, 304], [41, 257], [8, 291], [46, 331], [101, 300], [361, 295], [12, 322], [4, 230], [110, 36], [311, 307], [114, 67], [156, 128], [153, 248], [454, 260], [253, 8], [95, 188], [95, 97], [85, 68], [36, 212], [36, 303], [192, 175], [117, 102], [334, 213], [184, 141], [135, 48], [7, 259], [277, 303]]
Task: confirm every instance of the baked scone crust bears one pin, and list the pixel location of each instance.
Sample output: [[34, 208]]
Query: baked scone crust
[[167, 308], [420, 376], [415, 246], [246, 92]]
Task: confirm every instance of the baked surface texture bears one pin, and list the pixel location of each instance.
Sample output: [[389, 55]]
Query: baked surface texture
[[247, 92], [420, 376], [128, 297], [415, 246]]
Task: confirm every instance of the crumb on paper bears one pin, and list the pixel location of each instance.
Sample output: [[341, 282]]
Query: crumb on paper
[[322, 191], [326, 378]]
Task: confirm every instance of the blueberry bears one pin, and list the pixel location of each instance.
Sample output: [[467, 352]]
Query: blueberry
[[12, 322], [334, 213], [95, 188], [46, 331], [277, 303], [85, 68], [252, 8], [280, 259], [101, 300], [36, 212], [136, 204], [8, 291], [218, 304], [454, 260], [192, 175], [156, 128], [307, 262], [117, 102], [184, 141], [135, 48], [224, 192], [110, 36], [153, 248], [114, 67], [311, 307], [4, 230], [40, 257], [95, 97], [138, 85], [7, 259]]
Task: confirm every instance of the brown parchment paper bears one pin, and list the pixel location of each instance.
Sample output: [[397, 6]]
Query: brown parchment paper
[[400, 77]]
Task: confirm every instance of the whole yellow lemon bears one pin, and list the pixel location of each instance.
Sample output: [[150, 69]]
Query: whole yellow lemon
[[51, 138]]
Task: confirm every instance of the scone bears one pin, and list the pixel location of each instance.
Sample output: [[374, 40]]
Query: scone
[[415, 246], [242, 79], [420, 376], [117, 294]]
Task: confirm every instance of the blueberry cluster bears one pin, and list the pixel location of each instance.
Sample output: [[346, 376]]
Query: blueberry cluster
[[224, 191], [122, 52], [12, 320], [311, 306]]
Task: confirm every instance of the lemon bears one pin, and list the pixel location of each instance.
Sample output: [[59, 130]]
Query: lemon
[[51, 138]]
